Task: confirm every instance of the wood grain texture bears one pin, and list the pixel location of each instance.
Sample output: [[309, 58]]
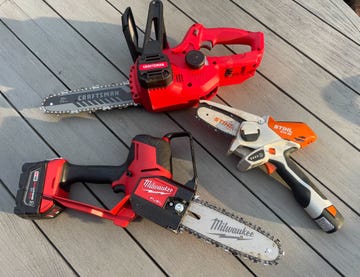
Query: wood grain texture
[[24, 250], [337, 14]]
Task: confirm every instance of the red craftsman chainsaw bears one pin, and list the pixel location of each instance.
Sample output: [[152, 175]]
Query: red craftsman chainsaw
[[150, 191], [164, 78]]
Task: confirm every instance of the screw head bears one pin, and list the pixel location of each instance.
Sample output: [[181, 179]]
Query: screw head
[[179, 207]]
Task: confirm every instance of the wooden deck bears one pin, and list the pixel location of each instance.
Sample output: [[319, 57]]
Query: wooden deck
[[310, 72]]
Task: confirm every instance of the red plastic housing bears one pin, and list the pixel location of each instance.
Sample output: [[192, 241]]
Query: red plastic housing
[[189, 85], [143, 165]]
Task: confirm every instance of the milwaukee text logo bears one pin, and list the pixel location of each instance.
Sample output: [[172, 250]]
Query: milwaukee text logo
[[155, 190], [152, 187], [223, 229]]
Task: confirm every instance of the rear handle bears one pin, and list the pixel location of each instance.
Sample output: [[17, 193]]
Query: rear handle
[[90, 173], [131, 34], [320, 209]]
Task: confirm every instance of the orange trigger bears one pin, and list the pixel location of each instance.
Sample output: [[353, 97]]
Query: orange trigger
[[270, 168], [332, 210]]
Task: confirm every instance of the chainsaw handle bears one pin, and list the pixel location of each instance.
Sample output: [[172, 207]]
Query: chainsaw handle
[[230, 36], [320, 209], [155, 19], [229, 68], [96, 174], [130, 33], [199, 36]]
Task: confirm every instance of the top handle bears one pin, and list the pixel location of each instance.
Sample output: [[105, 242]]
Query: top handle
[[131, 34], [155, 18]]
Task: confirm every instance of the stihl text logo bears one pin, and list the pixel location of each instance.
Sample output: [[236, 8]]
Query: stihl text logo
[[228, 125], [283, 130], [150, 66]]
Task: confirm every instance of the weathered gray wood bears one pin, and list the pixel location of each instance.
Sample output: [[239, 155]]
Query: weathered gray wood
[[87, 137], [117, 125], [316, 39], [24, 250], [337, 14]]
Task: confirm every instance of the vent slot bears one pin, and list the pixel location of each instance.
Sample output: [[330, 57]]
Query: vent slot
[[179, 78]]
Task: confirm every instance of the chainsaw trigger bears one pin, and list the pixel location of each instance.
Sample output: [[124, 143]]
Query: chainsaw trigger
[[270, 168], [207, 44]]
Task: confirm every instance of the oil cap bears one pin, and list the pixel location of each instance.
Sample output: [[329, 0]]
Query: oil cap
[[195, 59]]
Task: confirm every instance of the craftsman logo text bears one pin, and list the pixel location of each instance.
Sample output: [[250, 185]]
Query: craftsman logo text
[[150, 66], [98, 95]]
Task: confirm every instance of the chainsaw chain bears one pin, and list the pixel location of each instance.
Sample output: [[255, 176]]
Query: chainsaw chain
[[229, 249], [88, 109]]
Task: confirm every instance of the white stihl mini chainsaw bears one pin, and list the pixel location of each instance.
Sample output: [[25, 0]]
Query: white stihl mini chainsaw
[[264, 141]]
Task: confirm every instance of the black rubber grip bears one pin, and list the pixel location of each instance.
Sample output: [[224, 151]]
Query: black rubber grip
[[327, 221], [90, 173], [130, 33], [301, 193], [155, 18]]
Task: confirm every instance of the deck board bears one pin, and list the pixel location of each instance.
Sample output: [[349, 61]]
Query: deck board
[[337, 14], [53, 45]]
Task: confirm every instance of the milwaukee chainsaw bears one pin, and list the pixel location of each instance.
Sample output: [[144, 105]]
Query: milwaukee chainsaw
[[264, 141], [146, 179], [164, 78]]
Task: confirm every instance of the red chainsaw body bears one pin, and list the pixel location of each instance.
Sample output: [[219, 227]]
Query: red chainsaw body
[[200, 81], [145, 179]]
